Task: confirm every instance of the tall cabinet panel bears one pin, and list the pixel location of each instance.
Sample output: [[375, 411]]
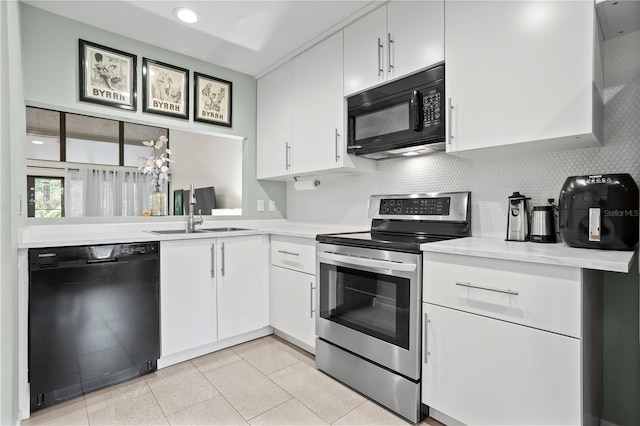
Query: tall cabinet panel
[[274, 126], [319, 105], [522, 76]]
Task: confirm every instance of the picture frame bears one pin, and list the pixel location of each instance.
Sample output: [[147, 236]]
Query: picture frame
[[107, 76], [212, 100], [165, 89]]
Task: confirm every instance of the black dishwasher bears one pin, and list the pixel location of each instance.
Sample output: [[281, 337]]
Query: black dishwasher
[[94, 318]]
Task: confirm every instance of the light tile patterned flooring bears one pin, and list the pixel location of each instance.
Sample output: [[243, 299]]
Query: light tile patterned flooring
[[263, 382]]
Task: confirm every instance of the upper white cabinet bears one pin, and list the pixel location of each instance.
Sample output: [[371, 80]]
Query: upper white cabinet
[[318, 113], [301, 122], [394, 40], [274, 123], [522, 77]]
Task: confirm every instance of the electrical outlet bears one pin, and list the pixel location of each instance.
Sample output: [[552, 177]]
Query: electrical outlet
[[272, 206], [260, 205]]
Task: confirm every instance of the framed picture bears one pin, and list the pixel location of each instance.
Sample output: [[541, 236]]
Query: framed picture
[[212, 100], [165, 89], [107, 76]]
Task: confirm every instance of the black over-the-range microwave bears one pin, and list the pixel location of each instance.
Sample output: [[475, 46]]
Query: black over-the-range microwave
[[402, 117]]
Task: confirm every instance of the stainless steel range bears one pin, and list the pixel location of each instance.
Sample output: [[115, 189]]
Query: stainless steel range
[[370, 292]]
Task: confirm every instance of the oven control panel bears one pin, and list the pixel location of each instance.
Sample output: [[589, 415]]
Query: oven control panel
[[440, 206], [415, 206]]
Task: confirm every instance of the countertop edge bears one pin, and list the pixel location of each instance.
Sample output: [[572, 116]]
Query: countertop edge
[[549, 254]]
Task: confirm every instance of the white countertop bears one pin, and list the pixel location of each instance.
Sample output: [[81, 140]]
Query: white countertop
[[86, 234], [545, 253]]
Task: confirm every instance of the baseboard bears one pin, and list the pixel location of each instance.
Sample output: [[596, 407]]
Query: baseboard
[[177, 358], [294, 341]]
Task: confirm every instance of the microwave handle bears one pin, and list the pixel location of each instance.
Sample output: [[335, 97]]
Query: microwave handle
[[417, 110]]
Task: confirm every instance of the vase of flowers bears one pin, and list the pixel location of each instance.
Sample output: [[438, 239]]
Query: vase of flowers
[[156, 167]]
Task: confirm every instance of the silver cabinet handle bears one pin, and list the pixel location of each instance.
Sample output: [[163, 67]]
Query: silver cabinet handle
[[213, 260], [497, 290], [288, 252], [450, 122], [336, 139], [426, 338], [287, 155], [222, 260], [389, 43], [311, 310], [380, 47]]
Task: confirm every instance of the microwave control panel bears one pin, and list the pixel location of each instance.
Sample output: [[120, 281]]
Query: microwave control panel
[[431, 108]]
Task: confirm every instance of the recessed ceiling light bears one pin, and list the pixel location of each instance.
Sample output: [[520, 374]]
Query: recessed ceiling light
[[186, 15], [37, 142]]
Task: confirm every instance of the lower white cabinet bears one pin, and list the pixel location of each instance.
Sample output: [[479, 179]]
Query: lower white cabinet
[[481, 370], [292, 290], [293, 304], [188, 316], [211, 289], [510, 342]]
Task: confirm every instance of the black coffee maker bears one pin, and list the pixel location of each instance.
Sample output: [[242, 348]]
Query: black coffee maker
[[599, 211]]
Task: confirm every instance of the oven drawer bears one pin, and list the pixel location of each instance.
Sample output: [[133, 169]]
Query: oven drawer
[[546, 297], [294, 253]]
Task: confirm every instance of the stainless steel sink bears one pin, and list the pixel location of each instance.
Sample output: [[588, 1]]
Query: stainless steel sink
[[223, 229], [174, 231], [197, 231]]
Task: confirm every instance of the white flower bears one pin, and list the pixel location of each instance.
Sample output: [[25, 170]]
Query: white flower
[[156, 165]]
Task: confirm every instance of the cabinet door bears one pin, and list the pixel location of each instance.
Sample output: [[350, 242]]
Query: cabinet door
[[416, 31], [242, 272], [187, 294], [292, 304], [365, 42], [484, 371], [318, 107], [275, 100], [518, 71]]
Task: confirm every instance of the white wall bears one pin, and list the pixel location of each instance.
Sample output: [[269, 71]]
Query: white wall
[[344, 200], [12, 165]]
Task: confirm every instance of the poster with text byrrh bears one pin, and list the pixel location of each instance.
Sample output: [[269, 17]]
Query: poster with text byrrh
[[107, 76]]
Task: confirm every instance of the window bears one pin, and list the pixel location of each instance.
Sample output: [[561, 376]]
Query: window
[[92, 140], [46, 196], [43, 134]]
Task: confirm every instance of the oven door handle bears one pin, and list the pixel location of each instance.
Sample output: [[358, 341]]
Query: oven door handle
[[366, 262]]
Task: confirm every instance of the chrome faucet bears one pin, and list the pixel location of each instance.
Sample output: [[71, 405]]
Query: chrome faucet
[[193, 221]]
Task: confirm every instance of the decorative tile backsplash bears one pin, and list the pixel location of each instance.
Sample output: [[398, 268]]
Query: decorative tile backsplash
[[344, 199]]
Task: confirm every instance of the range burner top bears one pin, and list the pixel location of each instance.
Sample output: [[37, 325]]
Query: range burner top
[[404, 222]]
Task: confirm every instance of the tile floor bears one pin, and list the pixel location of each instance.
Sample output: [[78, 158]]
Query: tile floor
[[263, 382]]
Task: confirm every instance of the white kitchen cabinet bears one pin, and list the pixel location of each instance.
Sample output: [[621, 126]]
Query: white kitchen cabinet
[[241, 272], [187, 295], [394, 40], [301, 117], [509, 342], [293, 304], [522, 77], [274, 122], [484, 371], [292, 290], [318, 113], [211, 289]]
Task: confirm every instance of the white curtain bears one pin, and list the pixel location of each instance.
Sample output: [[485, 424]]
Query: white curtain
[[96, 192]]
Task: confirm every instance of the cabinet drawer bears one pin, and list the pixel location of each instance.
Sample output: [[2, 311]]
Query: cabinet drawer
[[294, 253], [547, 297]]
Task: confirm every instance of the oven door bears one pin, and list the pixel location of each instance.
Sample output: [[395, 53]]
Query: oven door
[[369, 304]]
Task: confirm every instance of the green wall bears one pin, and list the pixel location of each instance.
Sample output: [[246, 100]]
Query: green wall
[[51, 75]]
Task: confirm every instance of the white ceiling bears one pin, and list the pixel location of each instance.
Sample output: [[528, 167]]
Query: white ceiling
[[246, 36]]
